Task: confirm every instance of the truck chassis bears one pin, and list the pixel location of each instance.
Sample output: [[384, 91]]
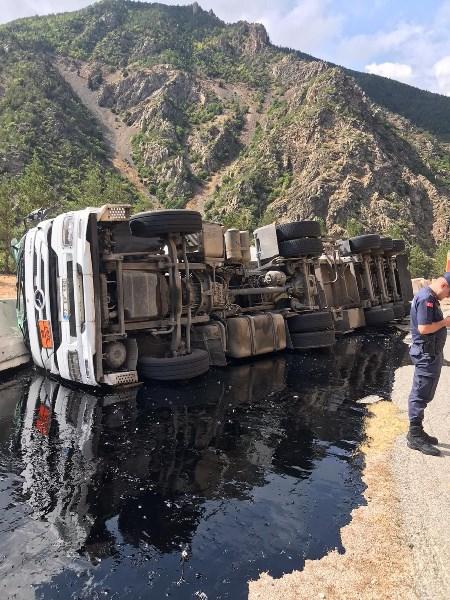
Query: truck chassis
[[107, 294]]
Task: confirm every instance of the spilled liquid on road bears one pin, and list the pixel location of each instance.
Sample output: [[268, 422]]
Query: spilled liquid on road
[[185, 490]]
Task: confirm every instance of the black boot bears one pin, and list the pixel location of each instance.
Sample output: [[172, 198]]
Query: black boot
[[429, 438], [417, 441]]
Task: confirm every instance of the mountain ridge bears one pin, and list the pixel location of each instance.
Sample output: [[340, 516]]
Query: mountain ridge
[[218, 118], [382, 90]]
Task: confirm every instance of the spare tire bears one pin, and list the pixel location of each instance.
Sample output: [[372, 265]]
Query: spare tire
[[163, 222], [398, 246], [301, 247], [313, 339], [310, 322], [379, 315], [360, 243], [297, 229], [175, 368]]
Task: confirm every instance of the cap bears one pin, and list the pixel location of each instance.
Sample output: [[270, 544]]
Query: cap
[[446, 276]]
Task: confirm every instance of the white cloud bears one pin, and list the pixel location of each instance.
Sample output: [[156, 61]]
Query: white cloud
[[441, 70], [16, 9], [310, 26], [364, 47], [392, 70]]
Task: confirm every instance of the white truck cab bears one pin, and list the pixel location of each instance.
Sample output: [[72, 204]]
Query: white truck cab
[[60, 302]]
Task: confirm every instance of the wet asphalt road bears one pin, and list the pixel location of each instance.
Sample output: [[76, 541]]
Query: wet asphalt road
[[185, 490]]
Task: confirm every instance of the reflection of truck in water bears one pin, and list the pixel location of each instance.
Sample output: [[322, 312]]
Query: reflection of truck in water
[[106, 294], [90, 458]]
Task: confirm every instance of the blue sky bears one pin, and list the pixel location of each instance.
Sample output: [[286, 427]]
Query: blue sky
[[404, 40]]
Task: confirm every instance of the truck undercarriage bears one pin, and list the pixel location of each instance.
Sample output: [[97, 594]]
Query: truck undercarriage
[[167, 295]]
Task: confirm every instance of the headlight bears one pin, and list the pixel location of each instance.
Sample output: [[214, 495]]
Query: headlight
[[74, 365], [67, 231]]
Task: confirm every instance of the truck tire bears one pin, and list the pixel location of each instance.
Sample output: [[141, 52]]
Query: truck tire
[[378, 315], [175, 368], [315, 321], [360, 243], [297, 229], [313, 339], [386, 244], [399, 310], [163, 222], [301, 247], [398, 246]]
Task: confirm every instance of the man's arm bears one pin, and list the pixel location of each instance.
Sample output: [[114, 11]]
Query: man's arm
[[433, 327]]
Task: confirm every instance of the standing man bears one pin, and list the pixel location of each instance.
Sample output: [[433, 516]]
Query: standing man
[[428, 331]]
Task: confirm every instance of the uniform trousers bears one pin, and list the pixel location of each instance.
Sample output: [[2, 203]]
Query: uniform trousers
[[426, 377]]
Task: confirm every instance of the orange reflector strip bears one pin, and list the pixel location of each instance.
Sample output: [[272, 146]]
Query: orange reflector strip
[[45, 333], [42, 422]]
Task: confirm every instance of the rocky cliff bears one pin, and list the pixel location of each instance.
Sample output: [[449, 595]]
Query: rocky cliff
[[221, 120]]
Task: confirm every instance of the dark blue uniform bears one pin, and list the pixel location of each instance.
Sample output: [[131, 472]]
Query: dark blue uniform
[[426, 353]]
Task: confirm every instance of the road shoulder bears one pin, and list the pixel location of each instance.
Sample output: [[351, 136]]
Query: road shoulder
[[423, 487]]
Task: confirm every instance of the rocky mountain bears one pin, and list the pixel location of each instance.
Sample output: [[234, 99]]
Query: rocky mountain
[[169, 106]]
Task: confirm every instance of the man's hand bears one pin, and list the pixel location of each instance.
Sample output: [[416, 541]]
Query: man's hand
[[433, 327]]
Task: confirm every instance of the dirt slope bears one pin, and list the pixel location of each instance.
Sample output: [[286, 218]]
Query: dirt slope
[[117, 134]]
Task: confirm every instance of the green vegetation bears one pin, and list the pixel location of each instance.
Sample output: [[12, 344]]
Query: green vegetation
[[353, 227], [440, 259], [183, 143], [426, 110], [203, 113], [423, 265], [441, 166], [39, 114], [259, 181], [420, 264], [51, 151], [20, 194], [121, 33]]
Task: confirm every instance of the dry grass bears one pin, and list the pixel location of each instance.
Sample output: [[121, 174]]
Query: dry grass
[[384, 423], [7, 286], [377, 562]]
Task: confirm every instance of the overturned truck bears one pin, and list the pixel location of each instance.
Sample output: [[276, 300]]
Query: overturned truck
[[366, 281], [105, 295]]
